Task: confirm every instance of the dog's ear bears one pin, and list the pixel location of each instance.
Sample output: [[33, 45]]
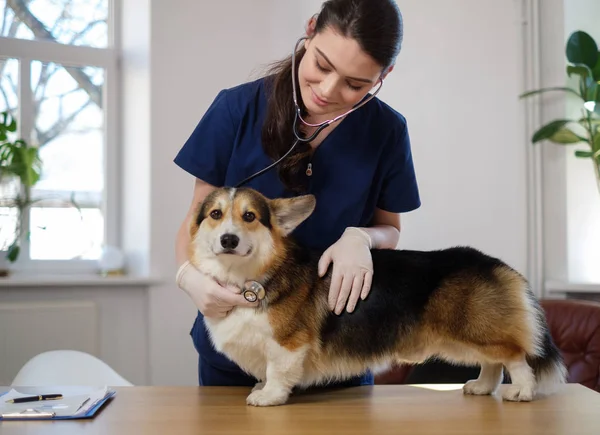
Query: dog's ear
[[291, 212]]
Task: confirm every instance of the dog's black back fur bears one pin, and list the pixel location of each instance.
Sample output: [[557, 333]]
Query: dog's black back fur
[[403, 282]]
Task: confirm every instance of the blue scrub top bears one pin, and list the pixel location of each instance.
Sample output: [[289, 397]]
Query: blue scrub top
[[364, 163]]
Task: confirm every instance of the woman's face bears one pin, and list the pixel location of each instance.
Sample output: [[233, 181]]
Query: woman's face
[[335, 74]]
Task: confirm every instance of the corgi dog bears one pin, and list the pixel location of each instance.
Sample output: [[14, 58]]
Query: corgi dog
[[456, 304]]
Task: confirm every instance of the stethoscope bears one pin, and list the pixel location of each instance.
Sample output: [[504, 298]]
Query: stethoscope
[[253, 290]]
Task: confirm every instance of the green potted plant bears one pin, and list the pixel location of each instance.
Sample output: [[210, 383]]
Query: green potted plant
[[584, 64], [20, 169]]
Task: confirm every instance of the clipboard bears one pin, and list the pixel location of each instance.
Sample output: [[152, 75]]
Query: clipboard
[[32, 413]]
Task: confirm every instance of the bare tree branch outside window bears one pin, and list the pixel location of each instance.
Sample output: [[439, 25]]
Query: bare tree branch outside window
[[22, 15]]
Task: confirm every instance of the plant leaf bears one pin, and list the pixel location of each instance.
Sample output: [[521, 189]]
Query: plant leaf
[[581, 48], [593, 91], [548, 130], [12, 127], [596, 69], [596, 98], [555, 88], [13, 252], [583, 154], [25, 163], [581, 70], [8, 123], [566, 136], [596, 142]]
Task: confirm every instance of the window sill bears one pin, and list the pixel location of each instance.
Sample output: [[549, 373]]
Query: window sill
[[572, 287], [46, 280]]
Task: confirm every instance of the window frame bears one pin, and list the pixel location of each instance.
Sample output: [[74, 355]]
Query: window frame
[[26, 51]]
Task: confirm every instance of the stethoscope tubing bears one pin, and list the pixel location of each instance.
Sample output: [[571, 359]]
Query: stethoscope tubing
[[298, 116], [297, 140]]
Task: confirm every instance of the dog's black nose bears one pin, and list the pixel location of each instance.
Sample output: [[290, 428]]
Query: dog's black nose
[[229, 241]]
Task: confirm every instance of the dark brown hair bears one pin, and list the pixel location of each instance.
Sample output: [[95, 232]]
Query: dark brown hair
[[377, 27]]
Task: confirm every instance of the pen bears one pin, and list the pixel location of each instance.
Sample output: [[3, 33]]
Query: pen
[[36, 398]]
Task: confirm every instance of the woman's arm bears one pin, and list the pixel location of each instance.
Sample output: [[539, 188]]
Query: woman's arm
[[385, 231]]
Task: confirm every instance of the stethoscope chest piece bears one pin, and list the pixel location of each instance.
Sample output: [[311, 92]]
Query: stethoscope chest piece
[[253, 291]]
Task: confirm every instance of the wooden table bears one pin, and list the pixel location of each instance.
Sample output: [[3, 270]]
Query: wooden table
[[360, 410]]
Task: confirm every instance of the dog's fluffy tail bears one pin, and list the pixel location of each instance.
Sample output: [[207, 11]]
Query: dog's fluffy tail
[[547, 363]]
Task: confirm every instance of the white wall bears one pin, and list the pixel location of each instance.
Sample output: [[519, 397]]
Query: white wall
[[457, 81]]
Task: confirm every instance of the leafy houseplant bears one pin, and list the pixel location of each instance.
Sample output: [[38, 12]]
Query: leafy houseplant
[[584, 58], [19, 163]]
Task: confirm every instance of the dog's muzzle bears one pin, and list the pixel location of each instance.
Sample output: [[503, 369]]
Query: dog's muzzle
[[253, 291]]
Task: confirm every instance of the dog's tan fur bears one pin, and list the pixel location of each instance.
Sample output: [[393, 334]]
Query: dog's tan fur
[[469, 318]]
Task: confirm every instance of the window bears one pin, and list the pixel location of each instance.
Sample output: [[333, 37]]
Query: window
[[58, 74]]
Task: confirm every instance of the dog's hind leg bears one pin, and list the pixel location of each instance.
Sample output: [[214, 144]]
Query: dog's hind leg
[[523, 381], [488, 381], [492, 358]]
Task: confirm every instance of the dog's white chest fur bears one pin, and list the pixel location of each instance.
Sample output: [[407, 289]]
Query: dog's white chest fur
[[243, 336]]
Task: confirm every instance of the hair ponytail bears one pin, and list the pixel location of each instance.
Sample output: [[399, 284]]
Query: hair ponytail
[[277, 132]]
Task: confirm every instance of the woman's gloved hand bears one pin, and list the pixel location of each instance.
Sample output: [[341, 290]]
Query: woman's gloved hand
[[211, 298], [352, 269]]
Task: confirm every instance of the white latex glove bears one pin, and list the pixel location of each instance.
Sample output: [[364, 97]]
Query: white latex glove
[[352, 269], [211, 298]]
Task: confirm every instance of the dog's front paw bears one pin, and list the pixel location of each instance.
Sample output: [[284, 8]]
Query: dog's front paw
[[478, 388], [266, 397], [518, 393], [259, 386]]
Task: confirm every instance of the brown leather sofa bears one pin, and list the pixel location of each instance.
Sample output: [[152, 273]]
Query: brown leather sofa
[[575, 328]]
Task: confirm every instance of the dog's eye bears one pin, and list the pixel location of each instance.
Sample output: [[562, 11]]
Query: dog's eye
[[249, 216], [216, 214]]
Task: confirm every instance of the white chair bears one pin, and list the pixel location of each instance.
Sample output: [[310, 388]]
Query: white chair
[[67, 367]]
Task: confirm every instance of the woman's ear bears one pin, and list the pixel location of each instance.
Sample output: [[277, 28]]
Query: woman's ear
[[388, 70], [311, 26]]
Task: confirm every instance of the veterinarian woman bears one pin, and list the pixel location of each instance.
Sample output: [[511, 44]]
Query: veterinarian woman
[[359, 168]]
